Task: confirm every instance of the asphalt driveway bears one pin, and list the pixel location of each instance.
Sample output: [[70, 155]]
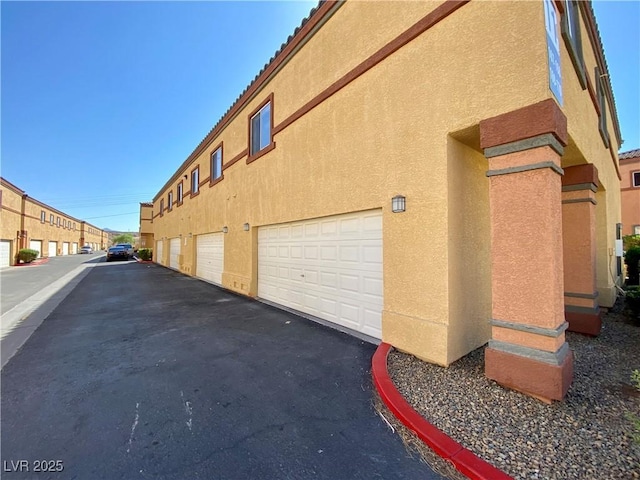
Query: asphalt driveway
[[145, 373]]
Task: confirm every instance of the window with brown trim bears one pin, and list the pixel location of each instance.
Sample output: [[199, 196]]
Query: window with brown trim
[[216, 164], [636, 229], [169, 201], [51, 219], [58, 221], [261, 130], [161, 207], [180, 193], [195, 179], [572, 38], [635, 178], [43, 216], [602, 118]]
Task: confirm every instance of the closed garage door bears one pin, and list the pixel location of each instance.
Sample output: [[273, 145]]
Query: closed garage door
[[5, 253], [53, 249], [210, 257], [159, 250], [65, 248], [37, 246], [174, 253], [74, 248], [330, 268]]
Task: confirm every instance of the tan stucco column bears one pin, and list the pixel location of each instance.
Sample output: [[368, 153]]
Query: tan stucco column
[[528, 351], [579, 186]]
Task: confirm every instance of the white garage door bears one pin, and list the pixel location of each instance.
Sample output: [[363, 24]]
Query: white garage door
[[53, 249], [158, 253], [74, 248], [210, 257], [5, 253], [36, 245], [330, 268], [174, 252], [65, 248]]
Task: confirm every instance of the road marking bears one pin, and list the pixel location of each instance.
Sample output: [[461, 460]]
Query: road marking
[[188, 409], [133, 427]]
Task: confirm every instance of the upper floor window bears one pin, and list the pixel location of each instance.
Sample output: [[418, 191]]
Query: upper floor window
[[572, 38], [170, 201], [602, 119], [260, 128], [162, 207], [51, 219], [636, 229], [43, 216], [58, 221], [635, 178], [195, 179], [216, 164], [180, 193]]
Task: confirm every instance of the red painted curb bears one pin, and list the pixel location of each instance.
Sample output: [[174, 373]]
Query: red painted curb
[[35, 263], [464, 460], [143, 261]]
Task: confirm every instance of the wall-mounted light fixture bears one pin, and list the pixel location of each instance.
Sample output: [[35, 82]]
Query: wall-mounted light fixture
[[190, 235], [246, 227], [398, 204], [225, 229]]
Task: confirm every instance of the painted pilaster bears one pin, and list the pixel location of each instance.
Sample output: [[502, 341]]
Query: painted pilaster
[[528, 351], [582, 311]]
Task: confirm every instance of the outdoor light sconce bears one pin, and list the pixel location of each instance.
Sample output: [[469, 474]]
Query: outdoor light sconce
[[398, 204], [246, 227], [225, 229], [190, 235]]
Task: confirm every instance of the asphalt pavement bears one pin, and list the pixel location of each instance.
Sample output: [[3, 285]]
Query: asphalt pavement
[[141, 372]]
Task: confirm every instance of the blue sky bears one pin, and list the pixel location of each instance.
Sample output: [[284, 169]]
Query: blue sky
[[102, 101]]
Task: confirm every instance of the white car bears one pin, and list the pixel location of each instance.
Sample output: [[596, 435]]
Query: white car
[[128, 247], [86, 249]]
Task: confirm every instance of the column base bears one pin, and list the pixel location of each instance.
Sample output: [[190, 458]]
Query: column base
[[587, 323], [542, 380]]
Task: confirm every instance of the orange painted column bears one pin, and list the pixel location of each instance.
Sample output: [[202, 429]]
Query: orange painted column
[[528, 351], [582, 310]]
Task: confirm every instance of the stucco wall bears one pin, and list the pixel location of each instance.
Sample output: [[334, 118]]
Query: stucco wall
[[630, 196], [406, 126]]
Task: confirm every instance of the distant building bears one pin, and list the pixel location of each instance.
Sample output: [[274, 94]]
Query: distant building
[[435, 175], [630, 192], [29, 223], [146, 225]]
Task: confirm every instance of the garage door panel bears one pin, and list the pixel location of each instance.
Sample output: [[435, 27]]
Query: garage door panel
[[5, 253], [37, 246], [159, 251], [210, 257], [330, 268], [174, 252], [53, 249]]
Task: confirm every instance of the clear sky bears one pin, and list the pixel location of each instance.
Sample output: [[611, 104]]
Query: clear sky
[[102, 101]]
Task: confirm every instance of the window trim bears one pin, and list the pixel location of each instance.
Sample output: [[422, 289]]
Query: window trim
[[43, 216], [212, 180], [633, 180], [197, 183], [271, 145], [636, 229], [58, 222], [180, 193], [161, 207], [52, 219], [170, 201], [570, 12], [602, 104]]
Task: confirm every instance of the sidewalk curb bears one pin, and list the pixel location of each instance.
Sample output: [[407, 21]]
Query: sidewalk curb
[[464, 460], [142, 261]]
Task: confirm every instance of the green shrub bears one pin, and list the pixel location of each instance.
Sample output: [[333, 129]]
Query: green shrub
[[635, 378], [630, 241], [145, 253], [632, 260], [632, 297], [27, 255]]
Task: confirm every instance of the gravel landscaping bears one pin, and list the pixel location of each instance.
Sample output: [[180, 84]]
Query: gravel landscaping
[[587, 436]]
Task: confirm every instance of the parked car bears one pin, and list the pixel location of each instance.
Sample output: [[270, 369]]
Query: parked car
[[128, 247], [86, 249], [117, 253]]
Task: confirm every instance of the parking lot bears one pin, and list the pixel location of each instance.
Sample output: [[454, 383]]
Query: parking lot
[[142, 372]]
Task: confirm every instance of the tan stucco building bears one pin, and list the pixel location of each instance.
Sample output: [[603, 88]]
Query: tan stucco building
[[146, 225], [29, 223], [437, 190], [630, 192]]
